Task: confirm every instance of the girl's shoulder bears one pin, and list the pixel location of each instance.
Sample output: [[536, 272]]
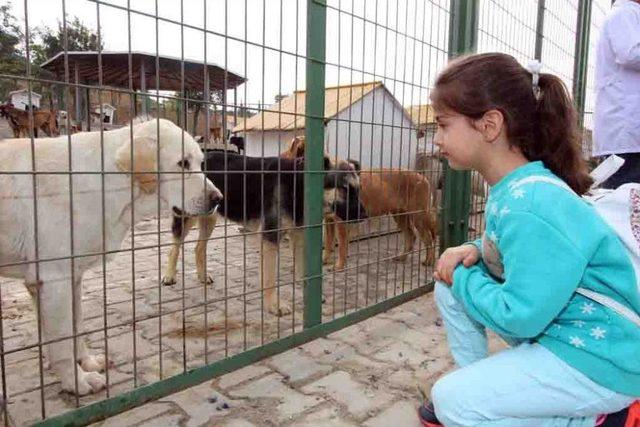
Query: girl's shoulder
[[549, 199]]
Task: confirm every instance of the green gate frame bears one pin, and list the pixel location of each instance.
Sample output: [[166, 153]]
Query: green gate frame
[[581, 57], [456, 194], [314, 162]]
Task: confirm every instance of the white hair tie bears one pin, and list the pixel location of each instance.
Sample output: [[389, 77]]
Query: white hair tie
[[534, 68]]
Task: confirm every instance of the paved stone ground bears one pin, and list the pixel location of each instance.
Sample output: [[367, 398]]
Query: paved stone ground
[[368, 374], [371, 374], [234, 314]]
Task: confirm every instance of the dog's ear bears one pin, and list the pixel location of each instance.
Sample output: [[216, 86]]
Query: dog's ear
[[296, 147], [144, 160]]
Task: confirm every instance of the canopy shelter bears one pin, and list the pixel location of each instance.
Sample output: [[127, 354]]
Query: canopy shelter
[[83, 69]]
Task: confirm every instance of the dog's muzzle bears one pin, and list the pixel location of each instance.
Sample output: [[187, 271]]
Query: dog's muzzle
[[213, 203], [349, 211]]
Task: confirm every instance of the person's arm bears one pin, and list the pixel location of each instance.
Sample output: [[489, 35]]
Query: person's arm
[[542, 269], [623, 32]]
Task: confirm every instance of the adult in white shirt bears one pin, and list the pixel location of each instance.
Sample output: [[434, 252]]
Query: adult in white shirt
[[617, 112]]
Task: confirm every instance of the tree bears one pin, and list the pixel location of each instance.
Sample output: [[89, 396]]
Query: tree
[[12, 60], [44, 43], [215, 98], [51, 42]]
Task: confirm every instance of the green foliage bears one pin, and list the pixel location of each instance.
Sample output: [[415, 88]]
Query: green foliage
[[50, 41], [44, 43], [11, 54]]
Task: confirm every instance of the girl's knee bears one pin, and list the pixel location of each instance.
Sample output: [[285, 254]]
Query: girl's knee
[[445, 300], [439, 393], [445, 395]]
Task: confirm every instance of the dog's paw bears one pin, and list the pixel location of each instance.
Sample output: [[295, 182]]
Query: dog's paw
[[88, 382], [208, 280], [168, 281], [95, 363], [280, 310], [339, 266]]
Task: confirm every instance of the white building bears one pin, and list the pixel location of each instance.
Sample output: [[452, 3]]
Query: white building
[[20, 99], [364, 122]]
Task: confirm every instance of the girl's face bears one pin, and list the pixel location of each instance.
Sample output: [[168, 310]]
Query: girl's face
[[459, 141]]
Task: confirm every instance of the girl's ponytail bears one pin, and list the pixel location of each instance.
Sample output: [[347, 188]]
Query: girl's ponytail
[[556, 132]]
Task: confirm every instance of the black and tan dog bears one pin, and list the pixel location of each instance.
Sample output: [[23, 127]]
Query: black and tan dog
[[270, 192], [333, 219]]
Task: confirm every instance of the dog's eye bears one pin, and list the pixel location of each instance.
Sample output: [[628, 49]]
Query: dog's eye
[[184, 164]]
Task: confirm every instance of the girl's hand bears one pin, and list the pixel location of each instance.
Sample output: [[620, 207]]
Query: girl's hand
[[466, 254]]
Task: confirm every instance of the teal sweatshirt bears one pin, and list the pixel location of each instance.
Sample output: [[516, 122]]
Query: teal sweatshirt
[[540, 244]]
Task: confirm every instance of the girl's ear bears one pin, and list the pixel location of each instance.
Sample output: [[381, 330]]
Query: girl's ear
[[491, 125]]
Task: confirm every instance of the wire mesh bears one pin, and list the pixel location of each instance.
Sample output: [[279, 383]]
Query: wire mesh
[[558, 52], [508, 27], [232, 75], [381, 58]]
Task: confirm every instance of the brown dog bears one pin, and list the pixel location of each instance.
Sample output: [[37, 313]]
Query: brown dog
[[431, 164], [42, 119], [405, 195]]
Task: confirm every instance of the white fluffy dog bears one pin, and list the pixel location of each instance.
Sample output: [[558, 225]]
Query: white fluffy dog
[[49, 261]]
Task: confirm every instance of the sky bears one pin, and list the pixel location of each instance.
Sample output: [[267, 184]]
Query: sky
[[405, 49]]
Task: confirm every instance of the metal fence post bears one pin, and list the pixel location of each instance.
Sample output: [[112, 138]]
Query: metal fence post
[[581, 57], [456, 197], [314, 153], [539, 30]]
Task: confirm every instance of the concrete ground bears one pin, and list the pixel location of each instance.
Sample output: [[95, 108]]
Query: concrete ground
[[167, 333], [153, 331], [368, 374], [371, 374]]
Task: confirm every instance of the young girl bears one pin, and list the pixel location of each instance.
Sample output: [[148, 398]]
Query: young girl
[[571, 358]]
